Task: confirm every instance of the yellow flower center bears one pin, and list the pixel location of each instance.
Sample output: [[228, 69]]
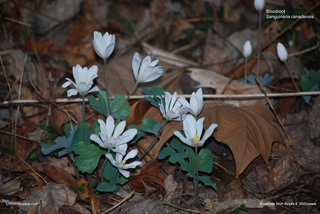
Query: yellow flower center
[[196, 139], [122, 163]]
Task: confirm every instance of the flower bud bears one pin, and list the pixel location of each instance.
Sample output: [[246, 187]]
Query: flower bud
[[259, 4], [247, 49], [282, 52]]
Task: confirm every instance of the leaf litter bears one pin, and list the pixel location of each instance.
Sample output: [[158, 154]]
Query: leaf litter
[[266, 171]]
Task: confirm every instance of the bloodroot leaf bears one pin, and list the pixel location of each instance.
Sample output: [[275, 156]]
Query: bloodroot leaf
[[248, 131]]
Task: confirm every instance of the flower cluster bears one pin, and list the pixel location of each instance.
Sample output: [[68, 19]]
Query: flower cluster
[[171, 109]]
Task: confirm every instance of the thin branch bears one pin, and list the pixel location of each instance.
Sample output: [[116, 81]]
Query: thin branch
[[121, 202], [139, 97]]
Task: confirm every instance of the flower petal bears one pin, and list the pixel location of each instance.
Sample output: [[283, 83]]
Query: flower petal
[[124, 173], [110, 126], [132, 165], [128, 136], [119, 129], [113, 162], [200, 126], [95, 88], [121, 149], [95, 138], [208, 133], [66, 84], [180, 136], [131, 154], [71, 92], [136, 64]]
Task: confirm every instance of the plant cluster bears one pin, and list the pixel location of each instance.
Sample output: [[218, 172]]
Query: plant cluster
[[109, 139]]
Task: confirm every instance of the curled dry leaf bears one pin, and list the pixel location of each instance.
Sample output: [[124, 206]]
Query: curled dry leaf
[[149, 180]]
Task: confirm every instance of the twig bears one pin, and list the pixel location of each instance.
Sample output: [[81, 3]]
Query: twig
[[180, 208], [121, 202], [304, 51], [271, 107], [20, 136], [139, 97]]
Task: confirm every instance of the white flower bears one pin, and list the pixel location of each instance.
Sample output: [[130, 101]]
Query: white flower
[[120, 163], [148, 70], [282, 52], [113, 138], [84, 80], [196, 103], [247, 49], [103, 46], [170, 108], [193, 130], [259, 4]]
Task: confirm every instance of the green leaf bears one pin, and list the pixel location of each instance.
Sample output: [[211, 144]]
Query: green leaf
[[310, 82], [109, 171], [101, 106], [123, 113], [189, 166], [106, 186], [207, 181], [170, 151], [88, 156], [61, 142], [205, 161], [155, 91], [149, 125]]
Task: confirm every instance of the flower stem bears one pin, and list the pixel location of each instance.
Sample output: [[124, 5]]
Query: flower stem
[[155, 139], [83, 117], [196, 181], [106, 82], [245, 69], [131, 92], [259, 45], [104, 165], [294, 83]]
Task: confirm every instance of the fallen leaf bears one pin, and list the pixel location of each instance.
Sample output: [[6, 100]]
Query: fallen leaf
[[248, 131], [41, 46], [149, 180], [50, 198], [58, 119]]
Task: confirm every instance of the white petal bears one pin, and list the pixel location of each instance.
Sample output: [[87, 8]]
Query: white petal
[[119, 129], [200, 100], [282, 52], [193, 104], [184, 102], [207, 134], [113, 162], [154, 63], [95, 88], [121, 149], [98, 49], [66, 84], [124, 173], [75, 74], [132, 165], [108, 51], [128, 135], [110, 126], [154, 74], [136, 64], [97, 140], [180, 136], [200, 126], [192, 125], [247, 49], [71, 92], [97, 35], [131, 154], [259, 4], [145, 62]]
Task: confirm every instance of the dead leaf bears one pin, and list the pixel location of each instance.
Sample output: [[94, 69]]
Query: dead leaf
[[85, 193], [137, 112], [149, 180], [41, 46], [248, 131], [10, 187], [50, 198], [58, 119]]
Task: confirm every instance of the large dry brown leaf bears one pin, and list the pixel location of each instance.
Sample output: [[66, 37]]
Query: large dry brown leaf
[[248, 131]]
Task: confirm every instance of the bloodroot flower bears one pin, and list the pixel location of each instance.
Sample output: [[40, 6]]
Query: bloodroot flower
[[196, 103], [259, 4], [148, 71], [193, 130], [113, 138], [170, 108], [84, 80], [120, 163], [103, 46]]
